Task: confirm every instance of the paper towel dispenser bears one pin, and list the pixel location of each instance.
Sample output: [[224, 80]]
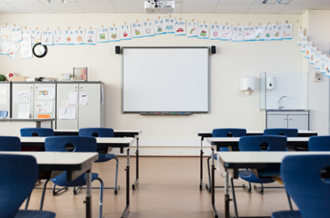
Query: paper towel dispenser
[[248, 83]]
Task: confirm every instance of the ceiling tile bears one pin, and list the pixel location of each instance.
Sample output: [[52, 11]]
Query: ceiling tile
[[200, 1], [304, 2], [46, 2], [123, 1], [65, 8], [94, 1], [198, 8], [271, 1], [98, 7], [265, 8], [126, 7], [24, 1], [324, 7], [298, 9], [236, 1], [232, 8], [6, 8], [178, 8], [31, 7]]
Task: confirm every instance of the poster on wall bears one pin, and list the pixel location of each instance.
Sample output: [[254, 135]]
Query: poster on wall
[[312, 55], [69, 36], [102, 35], [159, 26], [90, 37], [5, 32], [169, 25], [180, 27], [308, 49], [225, 33], [203, 31], [300, 36], [287, 30], [4, 47], [137, 30], [58, 37], [35, 36], [215, 31], [47, 37], [192, 29], [26, 35], [26, 50], [44, 107], [327, 67], [266, 34], [3, 95], [238, 33], [125, 32], [16, 33], [79, 38], [114, 34], [148, 28], [317, 59], [259, 29], [322, 63], [249, 33], [304, 44], [46, 93], [276, 32], [13, 49]]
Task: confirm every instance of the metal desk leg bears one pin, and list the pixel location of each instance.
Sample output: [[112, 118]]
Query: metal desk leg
[[88, 201], [38, 124], [215, 213], [227, 199], [126, 211], [201, 182], [136, 182]]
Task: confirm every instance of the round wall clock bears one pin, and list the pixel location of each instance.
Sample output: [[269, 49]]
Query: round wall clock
[[39, 50]]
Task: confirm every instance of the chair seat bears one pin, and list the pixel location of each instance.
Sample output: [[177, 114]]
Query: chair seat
[[105, 157], [60, 180], [270, 173], [34, 214], [287, 214], [248, 176]]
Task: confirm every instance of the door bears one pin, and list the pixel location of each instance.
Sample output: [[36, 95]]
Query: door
[[299, 122], [5, 94], [22, 94], [277, 121], [67, 97], [44, 100], [89, 105]]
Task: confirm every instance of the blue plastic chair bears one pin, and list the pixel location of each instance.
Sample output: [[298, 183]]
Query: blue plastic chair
[[19, 174], [3, 113], [225, 132], [288, 132], [298, 173], [319, 143], [38, 132], [103, 154], [10, 143], [72, 144]]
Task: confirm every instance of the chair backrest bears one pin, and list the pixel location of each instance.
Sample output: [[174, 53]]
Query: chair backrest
[[262, 143], [41, 132], [3, 113], [319, 143], [18, 174], [96, 132], [10, 143], [288, 132], [228, 132], [70, 144], [302, 177]]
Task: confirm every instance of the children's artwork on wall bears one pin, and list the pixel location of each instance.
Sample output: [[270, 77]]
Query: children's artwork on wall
[[137, 30], [304, 44], [4, 47], [300, 36], [308, 50], [322, 63], [225, 32], [26, 35], [192, 29], [5, 32], [266, 33], [259, 29], [79, 38], [114, 34], [238, 34], [26, 50], [317, 59], [148, 28], [169, 25], [102, 35], [69, 36], [203, 31], [47, 37], [249, 33], [35, 36], [58, 37], [13, 49], [327, 67], [287, 30], [180, 27], [125, 32], [276, 32], [312, 55], [159, 26], [16, 33], [215, 31], [90, 37]]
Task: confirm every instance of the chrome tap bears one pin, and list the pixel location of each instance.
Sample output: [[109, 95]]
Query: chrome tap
[[280, 107]]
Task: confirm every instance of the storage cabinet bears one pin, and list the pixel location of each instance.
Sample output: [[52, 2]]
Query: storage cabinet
[[5, 92], [288, 119]]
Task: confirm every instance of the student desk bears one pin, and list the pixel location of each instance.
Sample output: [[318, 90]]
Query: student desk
[[51, 164], [233, 161], [37, 121], [219, 142], [117, 133], [101, 143], [208, 134]]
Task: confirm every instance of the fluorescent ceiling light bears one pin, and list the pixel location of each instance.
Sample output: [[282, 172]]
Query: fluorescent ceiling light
[[64, 1], [264, 2], [278, 2], [50, 1]]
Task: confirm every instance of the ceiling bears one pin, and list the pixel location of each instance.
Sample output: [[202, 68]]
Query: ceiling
[[181, 6]]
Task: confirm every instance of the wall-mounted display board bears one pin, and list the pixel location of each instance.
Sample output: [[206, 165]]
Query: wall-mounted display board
[[165, 80]]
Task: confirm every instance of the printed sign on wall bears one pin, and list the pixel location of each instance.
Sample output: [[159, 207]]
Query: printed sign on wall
[[215, 31], [169, 25], [79, 37], [277, 32], [102, 35], [203, 31], [47, 37], [35, 36], [148, 28], [16, 33], [114, 34], [238, 34], [300, 36], [287, 31], [225, 32], [137, 30], [125, 32], [159, 26], [180, 27], [90, 37], [322, 63], [249, 33], [192, 28], [317, 60], [5, 32], [266, 34]]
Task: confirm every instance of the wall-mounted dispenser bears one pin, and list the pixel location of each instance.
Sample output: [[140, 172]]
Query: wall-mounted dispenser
[[248, 84], [269, 82]]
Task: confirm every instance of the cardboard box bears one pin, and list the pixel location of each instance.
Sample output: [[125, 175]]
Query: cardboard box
[[18, 78]]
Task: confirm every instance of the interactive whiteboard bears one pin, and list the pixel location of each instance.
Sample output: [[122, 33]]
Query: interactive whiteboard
[[165, 80]]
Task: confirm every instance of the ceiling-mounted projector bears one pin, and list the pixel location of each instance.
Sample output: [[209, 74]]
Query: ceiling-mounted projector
[[159, 7]]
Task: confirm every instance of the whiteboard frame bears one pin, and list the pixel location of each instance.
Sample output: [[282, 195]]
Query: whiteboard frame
[[167, 112]]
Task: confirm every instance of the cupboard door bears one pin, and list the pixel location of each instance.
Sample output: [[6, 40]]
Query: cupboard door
[[299, 122], [37, 98], [277, 121], [22, 94]]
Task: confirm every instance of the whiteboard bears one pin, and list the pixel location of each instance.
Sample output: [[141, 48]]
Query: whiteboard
[[165, 79]]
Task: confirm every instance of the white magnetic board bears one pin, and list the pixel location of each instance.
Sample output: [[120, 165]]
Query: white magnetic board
[[165, 79]]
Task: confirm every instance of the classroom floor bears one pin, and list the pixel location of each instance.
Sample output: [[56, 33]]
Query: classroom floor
[[169, 187]]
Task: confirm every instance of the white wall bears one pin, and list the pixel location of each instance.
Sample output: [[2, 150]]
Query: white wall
[[229, 108]]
